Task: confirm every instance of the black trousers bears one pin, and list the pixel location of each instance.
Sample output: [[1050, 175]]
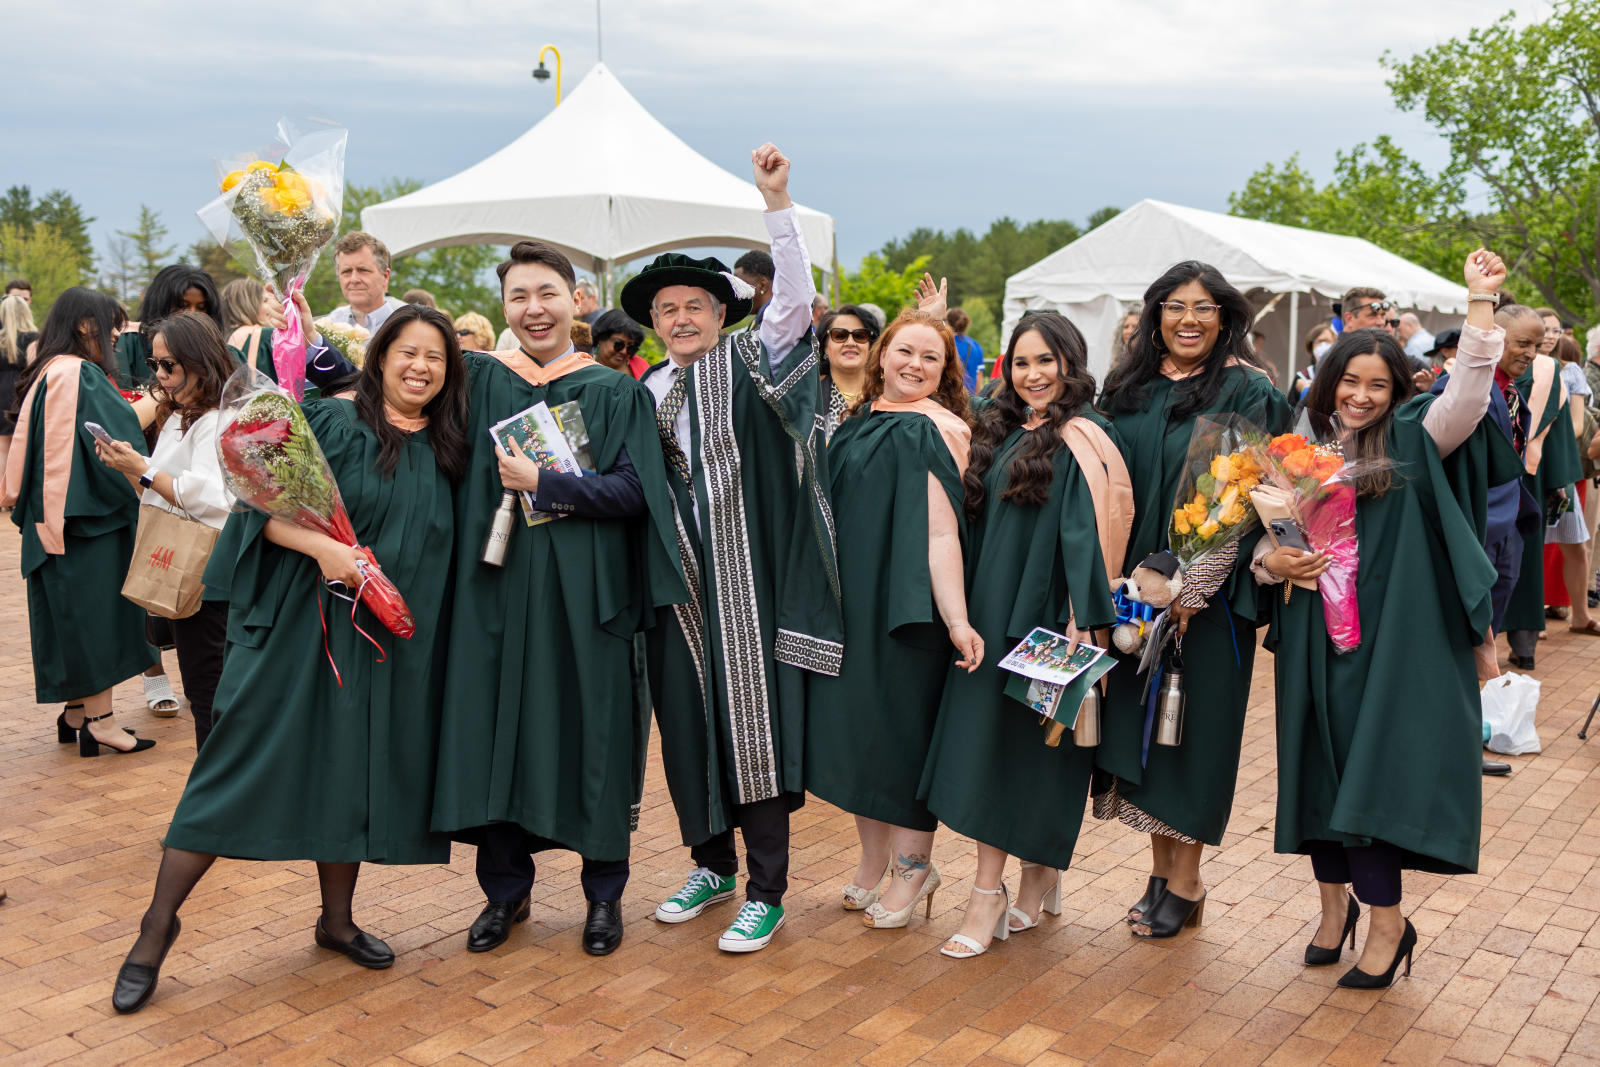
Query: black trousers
[[200, 640], [765, 827], [506, 869], [1374, 870]]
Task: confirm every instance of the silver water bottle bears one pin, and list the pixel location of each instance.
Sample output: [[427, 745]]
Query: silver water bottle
[[1086, 731], [494, 546], [1169, 705]]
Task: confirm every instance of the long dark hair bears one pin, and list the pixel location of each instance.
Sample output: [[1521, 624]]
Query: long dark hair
[[1034, 468], [194, 341], [1369, 442], [447, 412], [164, 295], [1125, 387], [863, 316], [60, 335]]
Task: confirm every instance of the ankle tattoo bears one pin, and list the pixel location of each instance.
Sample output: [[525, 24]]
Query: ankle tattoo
[[906, 867]]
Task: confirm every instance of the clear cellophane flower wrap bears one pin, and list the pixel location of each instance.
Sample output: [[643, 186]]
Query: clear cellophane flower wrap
[[1212, 508], [271, 461], [1309, 474], [286, 202]]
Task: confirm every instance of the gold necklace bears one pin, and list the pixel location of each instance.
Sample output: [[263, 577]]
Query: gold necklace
[[849, 398]]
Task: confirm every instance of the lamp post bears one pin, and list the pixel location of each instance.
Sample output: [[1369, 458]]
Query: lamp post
[[542, 73]]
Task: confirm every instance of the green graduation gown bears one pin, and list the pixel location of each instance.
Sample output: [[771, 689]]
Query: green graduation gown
[[546, 727], [132, 349], [1190, 786], [1559, 467], [755, 533], [86, 638], [989, 774], [299, 766], [1384, 742], [867, 729]]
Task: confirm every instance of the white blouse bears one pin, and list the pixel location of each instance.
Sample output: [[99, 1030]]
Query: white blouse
[[191, 461]]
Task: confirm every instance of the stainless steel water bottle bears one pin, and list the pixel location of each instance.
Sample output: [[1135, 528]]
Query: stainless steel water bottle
[[1169, 705], [494, 546], [1086, 731]]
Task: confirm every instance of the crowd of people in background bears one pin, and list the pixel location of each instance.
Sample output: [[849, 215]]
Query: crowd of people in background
[[802, 539]]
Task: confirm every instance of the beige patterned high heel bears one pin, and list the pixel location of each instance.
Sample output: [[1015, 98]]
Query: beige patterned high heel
[[1002, 929], [858, 899], [1049, 902], [880, 918]]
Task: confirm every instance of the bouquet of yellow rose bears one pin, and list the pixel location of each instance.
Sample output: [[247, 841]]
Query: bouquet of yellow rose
[[286, 201], [1212, 509]]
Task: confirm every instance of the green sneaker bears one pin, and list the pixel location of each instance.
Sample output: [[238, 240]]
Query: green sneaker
[[701, 891], [754, 927]]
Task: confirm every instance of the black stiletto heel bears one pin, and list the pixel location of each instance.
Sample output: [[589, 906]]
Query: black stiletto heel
[[1356, 978], [1152, 892], [1317, 956], [89, 745]]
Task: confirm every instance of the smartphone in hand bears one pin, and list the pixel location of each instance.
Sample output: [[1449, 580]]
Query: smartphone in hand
[[99, 433], [1288, 533]]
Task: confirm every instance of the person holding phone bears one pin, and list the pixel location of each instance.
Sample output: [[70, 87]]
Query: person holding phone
[[78, 518], [1366, 792]]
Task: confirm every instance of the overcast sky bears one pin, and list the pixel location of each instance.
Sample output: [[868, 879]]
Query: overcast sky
[[897, 114]]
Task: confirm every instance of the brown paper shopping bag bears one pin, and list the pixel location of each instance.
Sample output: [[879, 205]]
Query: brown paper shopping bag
[[169, 560]]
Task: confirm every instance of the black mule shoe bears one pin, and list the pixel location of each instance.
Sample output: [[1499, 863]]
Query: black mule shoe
[[602, 930], [136, 981], [493, 924], [1356, 978], [1170, 914], [89, 745], [1152, 892], [364, 949], [1317, 956], [67, 733]]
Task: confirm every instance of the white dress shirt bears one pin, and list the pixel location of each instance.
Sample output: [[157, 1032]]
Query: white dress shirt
[[346, 316], [190, 459]]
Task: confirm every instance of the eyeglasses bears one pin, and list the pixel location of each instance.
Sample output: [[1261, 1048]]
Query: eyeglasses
[[619, 344], [839, 335], [1175, 309], [167, 366]]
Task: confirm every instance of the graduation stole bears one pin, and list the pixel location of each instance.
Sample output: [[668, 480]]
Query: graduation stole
[[59, 437], [529, 370], [1546, 381]]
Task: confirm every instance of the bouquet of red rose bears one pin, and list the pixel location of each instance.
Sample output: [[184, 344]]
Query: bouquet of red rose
[[1313, 485], [286, 201], [271, 461]]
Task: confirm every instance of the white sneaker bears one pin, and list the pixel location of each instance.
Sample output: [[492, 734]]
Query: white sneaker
[[753, 929], [703, 889]]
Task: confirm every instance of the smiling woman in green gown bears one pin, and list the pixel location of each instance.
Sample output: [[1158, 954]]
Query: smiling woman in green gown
[[298, 765], [1379, 746], [896, 485], [1191, 356], [1048, 505]]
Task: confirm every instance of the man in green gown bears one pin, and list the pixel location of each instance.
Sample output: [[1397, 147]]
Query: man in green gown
[[544, 731], [742, 434]]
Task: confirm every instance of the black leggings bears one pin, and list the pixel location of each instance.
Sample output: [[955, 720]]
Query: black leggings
[[200, 639], [1374, 870]]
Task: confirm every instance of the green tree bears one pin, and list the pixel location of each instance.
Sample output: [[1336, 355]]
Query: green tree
[[223, 263], [42, 255], [874, 282], [1520, 109], [61, 215], [146, 254], [984, 327]]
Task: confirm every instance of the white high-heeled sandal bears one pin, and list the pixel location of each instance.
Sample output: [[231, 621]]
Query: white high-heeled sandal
[[880, 918], [1002, 929], [1050, 902]]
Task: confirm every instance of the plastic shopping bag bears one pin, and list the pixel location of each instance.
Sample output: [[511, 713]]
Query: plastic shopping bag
[[1509, 705]]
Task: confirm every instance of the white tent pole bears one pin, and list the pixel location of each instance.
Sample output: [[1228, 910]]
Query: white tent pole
[[1294, 334]]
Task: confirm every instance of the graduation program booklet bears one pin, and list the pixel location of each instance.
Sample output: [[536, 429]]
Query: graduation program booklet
[[554, 438], [1047, 680]]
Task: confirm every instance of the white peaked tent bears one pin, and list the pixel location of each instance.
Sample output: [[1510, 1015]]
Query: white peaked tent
[[599, 178], [1095, 278]]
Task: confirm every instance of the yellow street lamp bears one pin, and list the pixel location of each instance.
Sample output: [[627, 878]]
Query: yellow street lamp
[[543, 74]]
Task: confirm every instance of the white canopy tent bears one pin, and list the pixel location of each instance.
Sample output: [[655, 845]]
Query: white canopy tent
[[600, 179], [1105, 272]]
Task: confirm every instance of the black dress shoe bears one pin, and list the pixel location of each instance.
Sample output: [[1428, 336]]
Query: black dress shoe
[[1497, 769], [136, 981], [493, 924], [1521, 663], [364, 949], [602, 930]]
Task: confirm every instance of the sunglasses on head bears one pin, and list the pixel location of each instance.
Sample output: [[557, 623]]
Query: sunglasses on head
[[166, 366], [1377, 307], [839, 335]]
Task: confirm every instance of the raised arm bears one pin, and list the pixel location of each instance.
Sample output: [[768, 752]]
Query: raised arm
[[788, 315], [1452, 418]]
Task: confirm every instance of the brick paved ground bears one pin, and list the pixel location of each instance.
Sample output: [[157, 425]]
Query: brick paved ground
[[1508, 969]]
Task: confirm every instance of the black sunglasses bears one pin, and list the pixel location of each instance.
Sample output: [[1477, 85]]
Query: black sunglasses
[[620, 344], [839, 335], [166, 365]]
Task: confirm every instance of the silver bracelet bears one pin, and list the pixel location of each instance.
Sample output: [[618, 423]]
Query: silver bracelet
[[1493, 298]]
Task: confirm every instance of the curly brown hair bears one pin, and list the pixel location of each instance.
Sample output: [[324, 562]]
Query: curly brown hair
[[195, 343], [951, 392]]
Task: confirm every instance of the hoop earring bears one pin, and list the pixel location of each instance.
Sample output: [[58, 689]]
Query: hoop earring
[[1155, 340]]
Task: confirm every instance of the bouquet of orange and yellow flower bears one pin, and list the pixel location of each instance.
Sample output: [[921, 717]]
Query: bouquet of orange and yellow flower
[[1212, 510], [286, 201]]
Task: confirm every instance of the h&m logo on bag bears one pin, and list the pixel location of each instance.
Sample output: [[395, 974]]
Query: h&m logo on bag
[[161, 558]]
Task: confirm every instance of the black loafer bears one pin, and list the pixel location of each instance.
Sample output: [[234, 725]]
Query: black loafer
[[364, 949], [493, 924], [1496, 769], [602, 930], [136, 981]]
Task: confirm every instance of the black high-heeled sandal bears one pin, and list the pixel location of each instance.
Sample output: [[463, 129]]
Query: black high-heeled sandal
[[1152, 892], [1356, 978], [89, 744], [136, 981], [1317, 956], [67, 733], [1170, 915]]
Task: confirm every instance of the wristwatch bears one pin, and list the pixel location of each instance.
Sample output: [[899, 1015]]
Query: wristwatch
[[148, 478]]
